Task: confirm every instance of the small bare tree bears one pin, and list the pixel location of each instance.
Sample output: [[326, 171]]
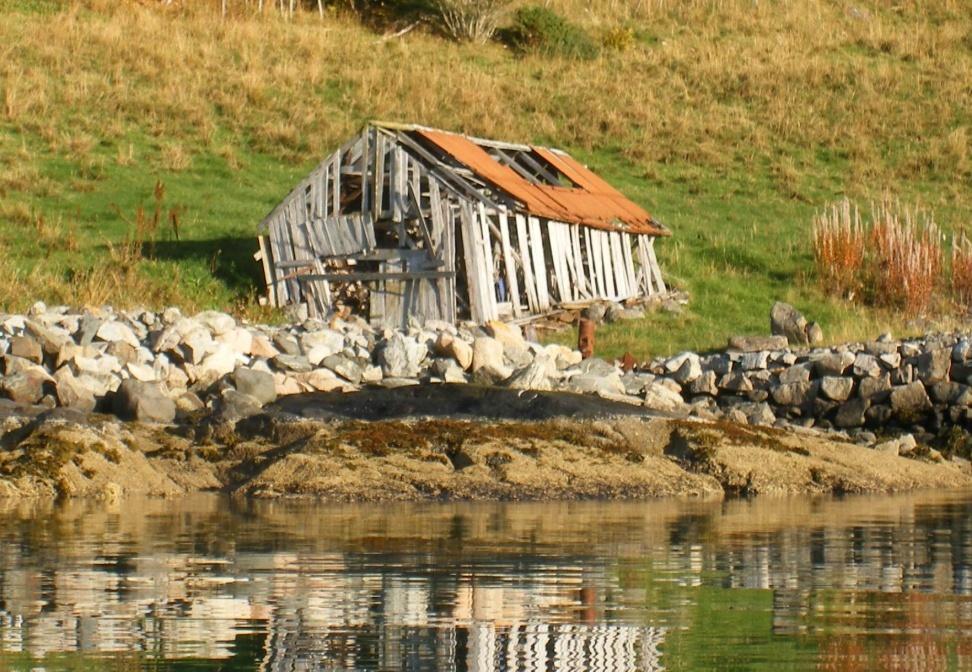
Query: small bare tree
[[471, 20]]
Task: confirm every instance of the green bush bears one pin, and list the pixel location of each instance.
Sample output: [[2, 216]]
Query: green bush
[[540, 30]]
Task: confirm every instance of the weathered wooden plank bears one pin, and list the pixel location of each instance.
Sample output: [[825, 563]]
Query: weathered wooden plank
[[335, 172], [471, 254], [488, 267], [539, 263], [610, 291], [583, 290], [448, 254], [512, 284], [596, 260], [372, 276], [629, 264], [567, 256], [378, 185], [268, 274], [529, 280], [655, 268], [561, 280], [617, 262], [366, 170]]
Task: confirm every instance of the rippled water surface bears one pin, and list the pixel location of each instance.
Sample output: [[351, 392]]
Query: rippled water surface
[[209, 583]]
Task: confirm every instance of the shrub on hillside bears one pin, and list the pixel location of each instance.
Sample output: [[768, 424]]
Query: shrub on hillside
[[540, 30], [470, 20]]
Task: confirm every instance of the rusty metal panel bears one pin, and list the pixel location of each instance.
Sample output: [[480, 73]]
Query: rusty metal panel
[[593, 202]]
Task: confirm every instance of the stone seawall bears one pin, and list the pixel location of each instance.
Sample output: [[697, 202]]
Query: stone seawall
[[871, 390], [166, 366]]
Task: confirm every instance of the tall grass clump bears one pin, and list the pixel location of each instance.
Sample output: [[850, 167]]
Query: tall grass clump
[[961, 279], [838, 247], [906, 265], [894, 259]]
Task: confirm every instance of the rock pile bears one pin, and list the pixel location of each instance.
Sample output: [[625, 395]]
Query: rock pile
[[162, 366], [153, 366], [923, 386]]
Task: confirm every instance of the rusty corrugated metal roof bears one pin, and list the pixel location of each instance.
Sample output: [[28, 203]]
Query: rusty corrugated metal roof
[[590, 202]]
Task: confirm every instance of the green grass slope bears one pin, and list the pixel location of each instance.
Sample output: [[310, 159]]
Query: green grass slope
[[732, 122]]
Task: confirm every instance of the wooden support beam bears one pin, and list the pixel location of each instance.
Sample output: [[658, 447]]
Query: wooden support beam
[[373, 276]]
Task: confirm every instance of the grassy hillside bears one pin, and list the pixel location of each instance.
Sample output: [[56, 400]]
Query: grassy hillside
[[731, 121]]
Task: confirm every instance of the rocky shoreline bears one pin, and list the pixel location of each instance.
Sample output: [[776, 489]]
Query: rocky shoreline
[[203, 380]]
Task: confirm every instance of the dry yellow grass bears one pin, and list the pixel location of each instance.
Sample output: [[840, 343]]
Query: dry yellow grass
[[733, 120], [718, 83]]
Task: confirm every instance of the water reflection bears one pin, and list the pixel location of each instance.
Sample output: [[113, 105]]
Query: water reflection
[[812, 583]]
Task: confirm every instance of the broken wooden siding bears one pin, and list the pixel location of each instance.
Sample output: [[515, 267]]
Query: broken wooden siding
[[424, 235]]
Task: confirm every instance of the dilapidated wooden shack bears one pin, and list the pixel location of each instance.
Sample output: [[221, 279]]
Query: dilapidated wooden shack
[[405, 223]]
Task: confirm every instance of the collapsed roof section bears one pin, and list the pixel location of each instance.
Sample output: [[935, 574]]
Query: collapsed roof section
[[543, 182]]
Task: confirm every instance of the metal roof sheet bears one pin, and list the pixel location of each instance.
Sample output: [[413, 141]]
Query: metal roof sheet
[[590, 202]]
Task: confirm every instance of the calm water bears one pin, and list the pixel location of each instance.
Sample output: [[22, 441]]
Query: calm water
[[213, 584]]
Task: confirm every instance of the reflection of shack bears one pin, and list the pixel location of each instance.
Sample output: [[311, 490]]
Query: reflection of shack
[[405, 222], [487, 627]]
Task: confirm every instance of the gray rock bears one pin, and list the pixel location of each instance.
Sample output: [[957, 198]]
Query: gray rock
[[448, 370], [911, 349], [756, 343], [754, 361], [875, 389], [833, 363], [257, 384], [344, 366], [838, 388], [27, 348], [867, 365], [87, 329], [878, 415], [596, 311], [735, 382], [596, 382], [145, 402], [909, 401], [947, 392], [72, 393], [635, 383], [815, 333], [903, 375], [116, 331], [613, 313], [787, 321], [851, 413], [401, 357], [961, 351], [286, 343], [794, 394], [535, 376], [217, 323], [684, 368], [234, 406], [890, 360], [295, 363], [25, 387], [320, 344], [122, 351], [798, 373], [720, 365], [880, 347], [933, 365], [705, 384], [659, 397]]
